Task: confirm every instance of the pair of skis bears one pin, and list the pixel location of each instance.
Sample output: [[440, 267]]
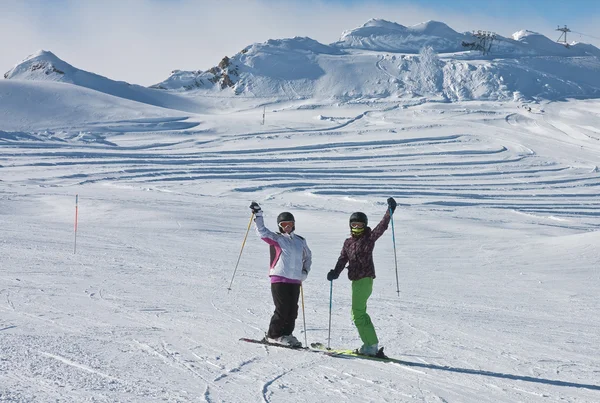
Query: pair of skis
[[321, 348]]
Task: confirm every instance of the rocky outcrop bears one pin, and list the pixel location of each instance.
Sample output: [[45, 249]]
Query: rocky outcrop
[[222, 76], [46, 67]]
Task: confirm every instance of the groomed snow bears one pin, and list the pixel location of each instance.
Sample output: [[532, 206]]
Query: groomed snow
[[496, 235]]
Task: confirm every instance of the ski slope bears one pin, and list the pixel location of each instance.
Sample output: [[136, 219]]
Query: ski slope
[[496, 234]]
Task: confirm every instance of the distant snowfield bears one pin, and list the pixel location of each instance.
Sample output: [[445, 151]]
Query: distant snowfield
[[496, 235]]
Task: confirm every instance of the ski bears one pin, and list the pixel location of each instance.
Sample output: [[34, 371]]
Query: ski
[[352, 353], [322, 349], [314, 347], [266, 343]]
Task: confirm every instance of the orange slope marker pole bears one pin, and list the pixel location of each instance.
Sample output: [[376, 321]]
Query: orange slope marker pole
[[76, 214]]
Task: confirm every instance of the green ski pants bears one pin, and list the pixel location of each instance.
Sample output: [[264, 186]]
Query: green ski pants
[[361, 291]]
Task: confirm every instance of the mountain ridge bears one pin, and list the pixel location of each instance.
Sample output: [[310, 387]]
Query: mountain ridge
[[378, 60], [44, 65]]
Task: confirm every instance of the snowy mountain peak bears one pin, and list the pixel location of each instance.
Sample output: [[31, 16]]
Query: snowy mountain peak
[[524, 33], [293, 44], [385, 36], [434, 28], [377, 22], [544, 46], [46, 66], [274, 61], [42, 65], [43, 54]]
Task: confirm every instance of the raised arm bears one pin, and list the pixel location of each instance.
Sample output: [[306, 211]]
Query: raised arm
[[381, 227], [385, 221], [262, 231]]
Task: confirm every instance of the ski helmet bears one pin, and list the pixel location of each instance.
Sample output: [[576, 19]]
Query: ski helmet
[[286, 216], [359, 217]]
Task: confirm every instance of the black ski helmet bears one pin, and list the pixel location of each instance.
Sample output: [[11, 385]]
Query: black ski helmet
[[286, 216], [359, 217]]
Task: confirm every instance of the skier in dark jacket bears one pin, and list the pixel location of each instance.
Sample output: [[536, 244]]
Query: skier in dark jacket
[[358, 253]]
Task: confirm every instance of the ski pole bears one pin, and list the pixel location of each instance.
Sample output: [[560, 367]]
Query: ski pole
[[303, 316], [330, 299], [395, 257], [76, 213], [241, 250]]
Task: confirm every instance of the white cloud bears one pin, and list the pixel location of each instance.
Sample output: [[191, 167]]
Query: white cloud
[[141, 41]]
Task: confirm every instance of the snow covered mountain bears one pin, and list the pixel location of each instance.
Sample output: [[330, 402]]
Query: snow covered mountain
[[379, 60], [46, 66], [541, 45], [384, 36], [382, 59], [283, 66]]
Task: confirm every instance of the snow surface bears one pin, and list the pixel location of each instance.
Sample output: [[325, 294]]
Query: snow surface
[[496, 231]]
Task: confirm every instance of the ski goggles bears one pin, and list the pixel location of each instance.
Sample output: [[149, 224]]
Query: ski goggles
[[286, 224], [357, 225]]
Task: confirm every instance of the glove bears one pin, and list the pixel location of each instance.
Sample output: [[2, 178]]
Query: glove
[[392, 204], [254, 207], [332, 275]]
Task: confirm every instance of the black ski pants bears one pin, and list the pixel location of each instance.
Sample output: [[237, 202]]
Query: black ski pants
[[285, 297]]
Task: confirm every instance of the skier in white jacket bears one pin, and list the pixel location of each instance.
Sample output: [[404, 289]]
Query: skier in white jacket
[[290, 264]]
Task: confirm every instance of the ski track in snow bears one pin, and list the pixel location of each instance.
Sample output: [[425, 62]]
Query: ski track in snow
[[142, 311], [450, 176], [78, 366], [172, 358]]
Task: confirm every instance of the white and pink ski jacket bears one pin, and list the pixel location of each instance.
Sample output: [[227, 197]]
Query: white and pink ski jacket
[[290, 256]]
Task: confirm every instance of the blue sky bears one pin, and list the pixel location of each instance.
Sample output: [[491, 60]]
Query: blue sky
[[550, 9], [141, 41]]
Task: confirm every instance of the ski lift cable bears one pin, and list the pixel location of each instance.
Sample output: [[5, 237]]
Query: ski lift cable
[[590, 36]]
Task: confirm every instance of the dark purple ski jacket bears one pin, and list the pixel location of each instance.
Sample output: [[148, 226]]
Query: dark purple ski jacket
[[358, 252]]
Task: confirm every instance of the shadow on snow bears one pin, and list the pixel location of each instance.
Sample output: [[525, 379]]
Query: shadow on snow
[[488, 373]]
